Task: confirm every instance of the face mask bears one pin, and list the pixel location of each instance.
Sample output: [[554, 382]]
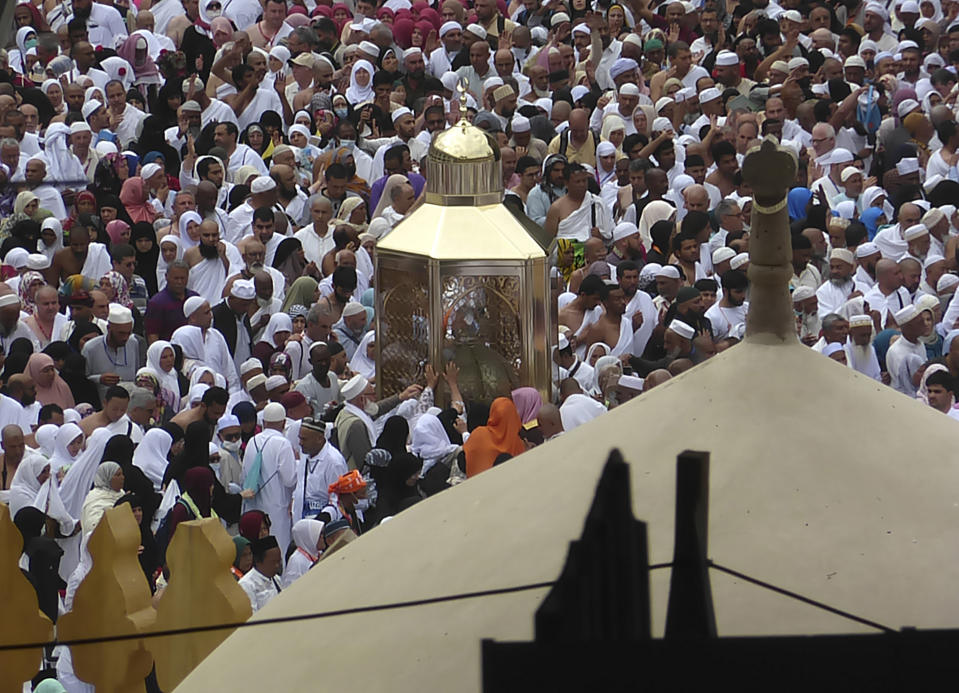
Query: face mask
[[30, 43], [230, 445], [215, 466], [371, 408], [341, 112], [263, 302], [348, 144], [213, 14]]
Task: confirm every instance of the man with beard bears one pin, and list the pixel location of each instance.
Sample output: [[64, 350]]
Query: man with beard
[[405, 125], [115, 356], [867, 257], [210, 262], [206, 205], [451, 38], [351, 327], [860, 353], [164, 313], [551, 188], [319, 325], [253, 254], [840, 287], [612, 327], [105, 25], [22, 389], [804, 272], [888, 295], [80, 257], [317, 385], [415, 79], [639, 305], [34, 175], [216, 353], [911, 270], [225, 135], [689, 308], [732, 308], [231, 317], [263, 194], [188, 125], [211, 169], [208, 410], [917, 242], [396, 160], [290, 199], [627, 245], [504, 99]]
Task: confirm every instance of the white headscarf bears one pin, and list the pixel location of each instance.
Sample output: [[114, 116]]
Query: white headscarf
[[430, 441], [279, 322], [190, 339], [356, 94], [185, 240], [168, 379], [61, 457], [46, 437], [25, 487], [162, 264], [306, 534], [657, 210], [361, 363], [53, 224], [151, 455], [218, 379], [579, 409], [386, 198], [79, 478]]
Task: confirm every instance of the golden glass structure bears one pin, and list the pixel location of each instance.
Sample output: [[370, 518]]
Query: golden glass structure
[[461, 279]]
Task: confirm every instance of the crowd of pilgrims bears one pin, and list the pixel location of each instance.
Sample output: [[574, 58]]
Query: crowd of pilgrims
[[191, 194]]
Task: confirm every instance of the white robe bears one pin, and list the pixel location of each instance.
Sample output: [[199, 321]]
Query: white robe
[[642, 303], [276, 483], [97, 262], [832, 297], [902, 360], [314, 247], [50, 200], [867, 364], [313, 478], [259, 588], [578, 226]]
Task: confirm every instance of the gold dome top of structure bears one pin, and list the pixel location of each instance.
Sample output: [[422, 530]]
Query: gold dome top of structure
[[463, 142]]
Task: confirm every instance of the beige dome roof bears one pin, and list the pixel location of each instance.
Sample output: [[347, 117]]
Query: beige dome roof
[[822, 482]]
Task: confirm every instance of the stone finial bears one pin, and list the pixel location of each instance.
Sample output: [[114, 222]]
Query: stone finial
[[770, 170], [22, 621], [201, 592], [113, 599]]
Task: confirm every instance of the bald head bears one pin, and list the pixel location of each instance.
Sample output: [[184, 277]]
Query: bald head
[[550, 422], [657, 377], [696, 197]]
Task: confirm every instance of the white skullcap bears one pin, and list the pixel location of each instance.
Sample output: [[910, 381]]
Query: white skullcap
[[353, 308], [354, 387], [371, 48], [849, 172], [37, 261], [839, 155], [860, 320], [866, 249], [796, 63], [150, 170], [854, 61], [476, 30], [914, 232], [447, 27], [274, 412], [907, 166], [946, 281], [722, 254], [79, 126], [502, 92], [878, 9], [192, 305], [661, 124], [410, 52], [622, 65], [801, 293], [255, 382], [726, 59], [831, 348], [931, 259], [663, 102], [262, 184], [582, 28], [243, 289], [578, 92], [275, 381], [868, 45], [907, 106], [684, 94], [9, 300], [227, 421], [562, 342], [932, 217], [739, 260], [634, 39], [667, 272], [792, 16], [119, 315], [628, 89], [623, 230], [630, 381], [450, 80], [104, 147], [400, 112], [907, 314], [709, 94], [842, 254], [682, 329], [780, 66], [558, 19], [17, 257], [251, 364], [90, 107], [520, 124]]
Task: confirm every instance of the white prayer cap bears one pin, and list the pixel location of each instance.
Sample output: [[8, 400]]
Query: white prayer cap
[[447, 27], [722, 254], [562, 343], [649, 270], [9, 300], [274, 412], [255, 382], [684, 94], [105, 147], [628, 89], [243, 289], [192, 305], [316, 345], [946, 281], [354, 387], [796, 63], [17, 257], [906, 107], [855, 61], [739, 260], [539, 34], [907, 314], [623, 230], [663, 102], [831, 348], [410, 52], [622, 65], [709, 94], [544, 104], [932, 217], [914, 232], [780, 66], [801, 293], [37, 261], [227, 421], [839, 155], [275, 381], [119, 315], [866, 249], [262, 184], [634, 39], [933, 59], [251, 364], [79, 126], [682, 329], [820, 89], [558, 19], [476, 30], [149, 171], [662, 124], [907, 166], [630, 381], [792, 16], [667, 272], [860, 320], [367, 47], [682, 181], [492, 83], [400, 112], [520, 124], [579, 91], [582, 28], [196, 392], [726, 59], [883, 55], [878, 9], [90, 107], [927, 302], [842, 254], [849, 172], [868, 45]]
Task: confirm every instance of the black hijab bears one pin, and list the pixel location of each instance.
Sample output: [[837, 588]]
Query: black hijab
[[146, 265], [80, 330]]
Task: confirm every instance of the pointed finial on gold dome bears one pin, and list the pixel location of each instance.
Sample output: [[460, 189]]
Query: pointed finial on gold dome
[[463, 88]]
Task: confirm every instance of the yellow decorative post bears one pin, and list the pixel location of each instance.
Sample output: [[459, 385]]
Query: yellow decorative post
[[112, 600], [201, 592], [22, 621]]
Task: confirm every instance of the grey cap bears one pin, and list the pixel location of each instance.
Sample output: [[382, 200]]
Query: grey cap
[[192, 106]]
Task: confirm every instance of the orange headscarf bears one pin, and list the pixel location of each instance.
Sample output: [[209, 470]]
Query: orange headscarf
[[348, 483], [499, 435]]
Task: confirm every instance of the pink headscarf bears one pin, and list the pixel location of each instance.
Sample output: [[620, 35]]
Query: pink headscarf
[[425, 28], [59, 392], [115, 230], [432, 16], [403, 32], [527, 401], [221, 24], [145, 67], [134, 197]]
